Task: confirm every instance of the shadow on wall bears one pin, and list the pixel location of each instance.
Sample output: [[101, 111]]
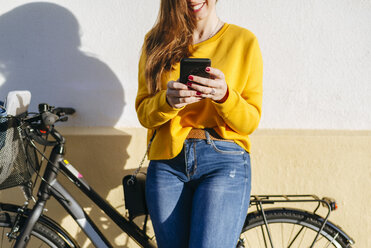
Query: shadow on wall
[[39, 51]]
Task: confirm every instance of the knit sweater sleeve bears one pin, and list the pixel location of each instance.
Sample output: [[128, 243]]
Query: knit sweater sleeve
[[152, 110], [242, 111]]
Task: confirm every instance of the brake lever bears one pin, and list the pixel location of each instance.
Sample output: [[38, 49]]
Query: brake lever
[[63, 118]]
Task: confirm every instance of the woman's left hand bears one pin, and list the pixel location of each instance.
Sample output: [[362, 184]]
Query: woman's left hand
[[214, 87]]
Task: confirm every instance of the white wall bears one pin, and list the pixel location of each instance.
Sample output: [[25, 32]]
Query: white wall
[[84, 54]]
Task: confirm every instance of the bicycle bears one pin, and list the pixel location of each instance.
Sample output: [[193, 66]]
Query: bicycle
[[23, 226]]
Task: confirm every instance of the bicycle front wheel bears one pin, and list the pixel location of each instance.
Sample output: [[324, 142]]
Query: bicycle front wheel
[[41, 236], [289, 228]]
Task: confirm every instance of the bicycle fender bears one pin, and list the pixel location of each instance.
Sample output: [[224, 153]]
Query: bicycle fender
[[338, 229], [319, 218]]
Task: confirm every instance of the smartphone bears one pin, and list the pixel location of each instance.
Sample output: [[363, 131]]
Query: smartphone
[[193, 66]]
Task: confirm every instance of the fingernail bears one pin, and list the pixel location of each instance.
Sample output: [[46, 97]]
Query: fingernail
[[190, 78], [198, 93], [207, 69], [189, 83]]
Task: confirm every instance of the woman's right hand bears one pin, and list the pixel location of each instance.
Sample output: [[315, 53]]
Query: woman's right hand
[[179, 95]]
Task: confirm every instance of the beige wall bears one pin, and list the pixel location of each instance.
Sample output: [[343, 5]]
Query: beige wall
[[325, 163]]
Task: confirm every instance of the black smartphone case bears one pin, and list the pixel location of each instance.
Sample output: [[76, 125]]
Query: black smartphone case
[[193, 66]]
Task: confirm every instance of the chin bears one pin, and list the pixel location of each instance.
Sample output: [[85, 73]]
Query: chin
[[201, 15]]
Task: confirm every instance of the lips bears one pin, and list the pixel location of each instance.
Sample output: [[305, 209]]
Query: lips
[[197, 7]]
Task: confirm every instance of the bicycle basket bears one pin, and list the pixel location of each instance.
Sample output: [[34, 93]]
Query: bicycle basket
[[17, 156]]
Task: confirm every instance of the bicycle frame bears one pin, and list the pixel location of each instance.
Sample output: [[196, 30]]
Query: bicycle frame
[[51, 187]]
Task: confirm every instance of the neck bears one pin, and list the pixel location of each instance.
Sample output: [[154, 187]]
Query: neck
[[206, 28]]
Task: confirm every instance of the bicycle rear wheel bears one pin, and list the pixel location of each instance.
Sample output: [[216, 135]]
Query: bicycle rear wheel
[[289, 228], [41, 236]]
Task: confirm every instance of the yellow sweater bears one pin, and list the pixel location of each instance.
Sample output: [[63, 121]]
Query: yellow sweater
[[234, 51]]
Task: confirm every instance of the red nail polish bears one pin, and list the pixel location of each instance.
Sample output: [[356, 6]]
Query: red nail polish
[[207, 69], [190, 78], [189, 83], [198, 93]]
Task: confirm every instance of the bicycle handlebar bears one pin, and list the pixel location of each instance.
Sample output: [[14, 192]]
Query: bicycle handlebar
[[50, 115], [66, 111], [43, 123]]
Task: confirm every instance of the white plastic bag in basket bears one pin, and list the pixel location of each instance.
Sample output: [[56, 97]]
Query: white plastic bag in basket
[[17, 102], [8, 154]]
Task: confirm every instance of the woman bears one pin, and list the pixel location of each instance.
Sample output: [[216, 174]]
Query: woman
[[198, 180]]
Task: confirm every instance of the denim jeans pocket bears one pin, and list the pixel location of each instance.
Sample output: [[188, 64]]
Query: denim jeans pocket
[[225, 147]]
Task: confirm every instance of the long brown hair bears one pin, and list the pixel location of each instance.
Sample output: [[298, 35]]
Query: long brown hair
[[168, 41]]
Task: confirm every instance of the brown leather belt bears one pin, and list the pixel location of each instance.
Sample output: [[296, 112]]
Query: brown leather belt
[[200, 134]]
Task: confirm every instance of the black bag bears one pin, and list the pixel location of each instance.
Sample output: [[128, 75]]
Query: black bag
[[135, 196], [135, 190]]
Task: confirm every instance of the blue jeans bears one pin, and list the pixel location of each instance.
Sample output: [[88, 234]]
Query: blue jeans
[[200, 197]]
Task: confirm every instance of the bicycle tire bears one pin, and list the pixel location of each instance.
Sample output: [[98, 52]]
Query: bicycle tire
[[41, 235], [299, 221]]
